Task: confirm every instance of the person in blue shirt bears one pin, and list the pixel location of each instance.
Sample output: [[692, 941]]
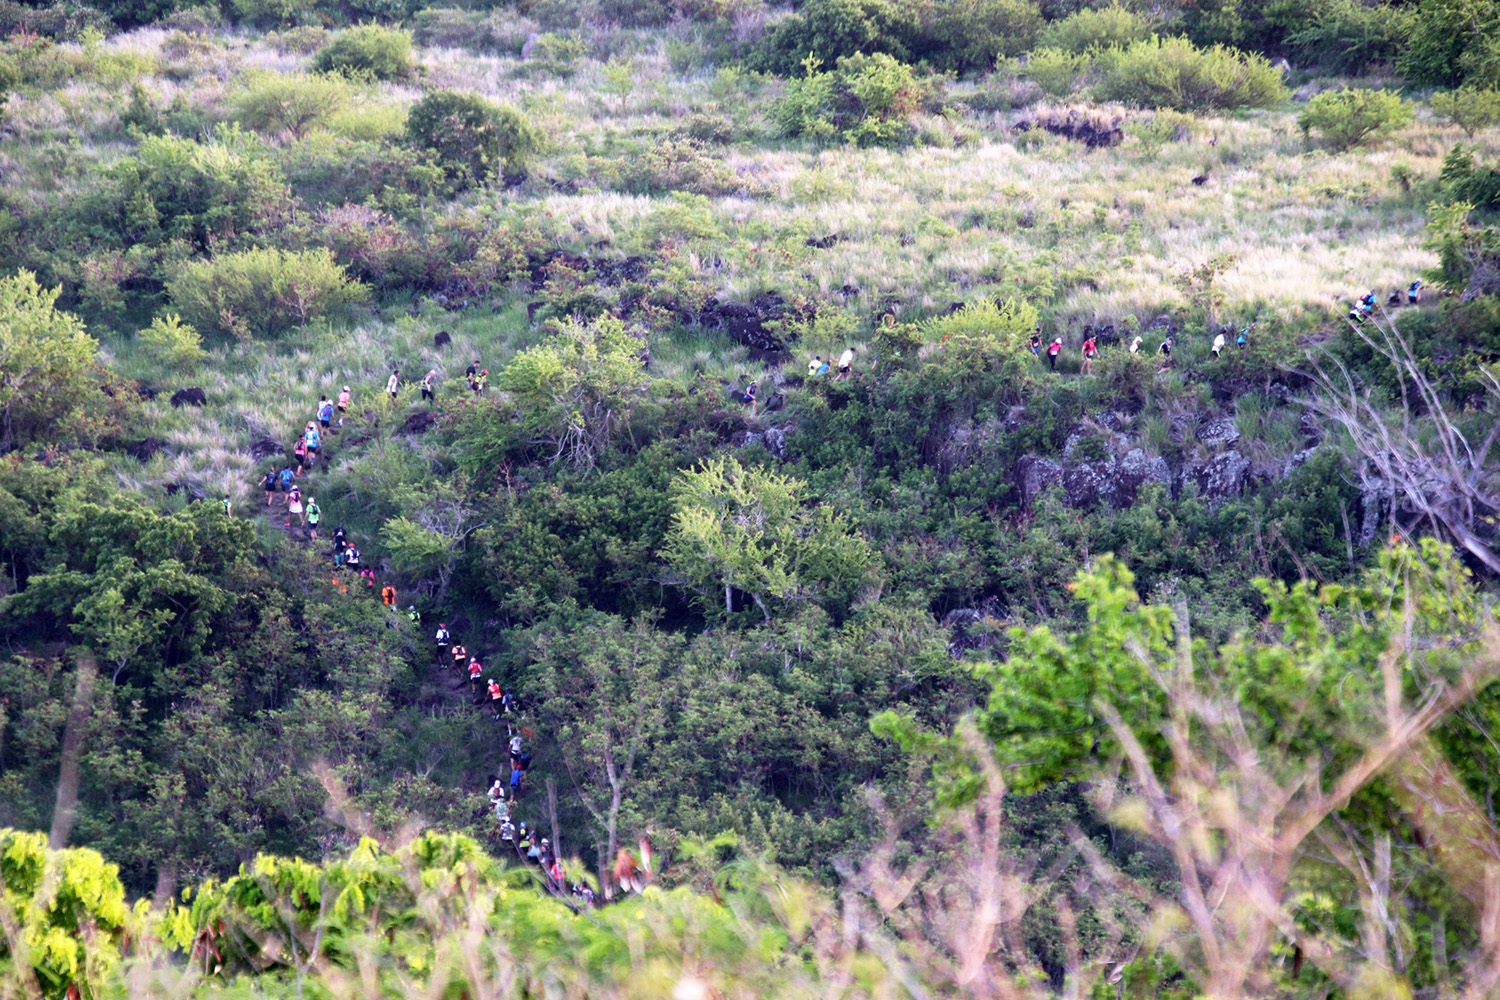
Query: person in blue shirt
[[1413, 292], [288, 477], [325, 413]]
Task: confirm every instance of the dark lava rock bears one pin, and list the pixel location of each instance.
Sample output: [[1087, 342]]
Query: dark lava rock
[[193, 396]]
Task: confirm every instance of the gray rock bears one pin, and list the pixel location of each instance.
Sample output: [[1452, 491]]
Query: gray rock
[[773, 438], [1297, 460], [1088, 483], [1219, 478], [1135, 470], [1035, 475], [1219, 432], [1375, 498]]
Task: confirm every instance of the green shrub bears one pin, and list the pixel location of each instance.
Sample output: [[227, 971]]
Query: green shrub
[[831, 29], [557, 54], [264, 12], [1469, 107], [868, 100], [1349, 37], [1164, 126], [368, 52], [173, 343], [277, 104], [968, 35], [472, 137], [263, 292], [1085, 30], [1461, 180], [10, 79], [1451, 40], [301, 41], [1056, 71], [682, 165], [1345, 118], [1175, 73]]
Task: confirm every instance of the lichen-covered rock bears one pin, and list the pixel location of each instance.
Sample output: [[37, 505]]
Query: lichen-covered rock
[[1035, 475], [1220, 478], [1219, 432]]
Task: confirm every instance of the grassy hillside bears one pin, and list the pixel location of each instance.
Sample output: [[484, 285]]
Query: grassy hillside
[[803, 647]]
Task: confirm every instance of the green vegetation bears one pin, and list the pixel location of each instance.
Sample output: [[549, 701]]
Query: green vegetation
[[965, 499]]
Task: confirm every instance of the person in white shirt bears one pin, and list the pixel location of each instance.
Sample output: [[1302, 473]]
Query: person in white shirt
[[392, 382], [1135, 346], [846, 360], [1218, 344]]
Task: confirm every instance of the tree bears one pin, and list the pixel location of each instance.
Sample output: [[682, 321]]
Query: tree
[[1201, 284], [429, 541], [1469, 107], [172, 342], [1420, 450], [1345, 118], [370, 51], [45, 357], [290, 103], [606, 686], [474, 138], [747, 529], [574, 391]]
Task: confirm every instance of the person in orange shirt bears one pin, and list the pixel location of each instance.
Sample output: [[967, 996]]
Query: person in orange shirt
[[388, 595]]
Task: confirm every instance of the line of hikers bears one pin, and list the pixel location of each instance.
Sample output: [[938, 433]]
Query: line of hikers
[[1364, 306]]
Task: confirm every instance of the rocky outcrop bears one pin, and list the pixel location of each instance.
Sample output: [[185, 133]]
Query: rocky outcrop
[[972, 628], [1035, 475], [773, 439], [266, 447], [189, 397], [1219, 479], [1219, 432]]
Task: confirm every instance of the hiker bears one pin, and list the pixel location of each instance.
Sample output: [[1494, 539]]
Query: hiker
[[1244, 337], [343, 404], [515, 784], [525, 761], [471, 373], [1035, 343], [1090, 348], [1413, 292], [325, 412], [270, 483], [507, 831], [525, 845], [314, 439], [1355, 316], [480, 380], [1218, 343], [460, 656], [392, 383], [1053, 350], [368, 575], [314, 514], [494, 691], [508, 702], [1367, 303], [388, 596], [413, 615], [547, 856], [814, 365], [1135, 346], [225, 502], [474, 671], [515, 750], [338, 554], [750, 400], [496, 792], [340, 538], [427, 395], [300, 450], [1165, 349], [287, 477], [846, 361], [823, 368], [351, 557], [294, 506], [534, 852], [441, 639]]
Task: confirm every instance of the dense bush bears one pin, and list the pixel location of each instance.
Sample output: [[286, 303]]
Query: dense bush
[[1345, 118], [1452, 41], [867, 100], [1349, 37], [1106, 27], [1175, 73], [473, 138], [172, 342], [1462, 180], [831, 29], [45, 357], [967, 36], [262, 292], [368, 52]]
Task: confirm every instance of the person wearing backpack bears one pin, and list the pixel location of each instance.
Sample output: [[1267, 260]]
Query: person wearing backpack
[[1053, 350], [270, 483], [313, 516]]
